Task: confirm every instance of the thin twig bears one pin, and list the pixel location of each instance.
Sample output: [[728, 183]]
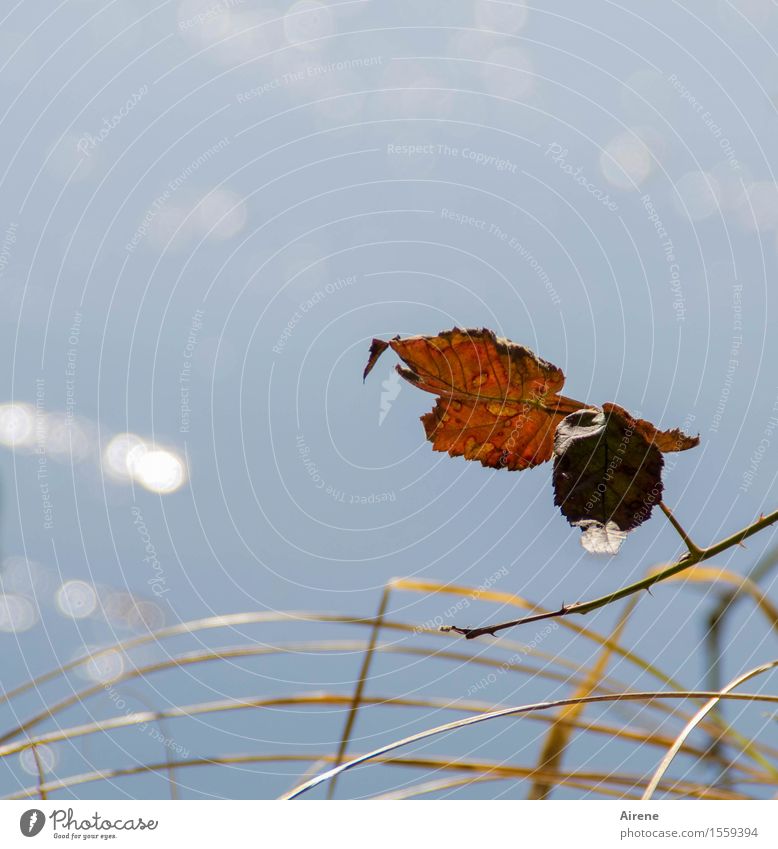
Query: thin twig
[[472, 633], [693, 549], [583, 607]]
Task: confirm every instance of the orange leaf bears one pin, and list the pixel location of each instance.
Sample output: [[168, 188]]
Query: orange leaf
[[665, 440], [498, 403]]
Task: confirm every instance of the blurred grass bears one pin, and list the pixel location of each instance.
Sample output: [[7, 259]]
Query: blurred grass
[[751, 765]]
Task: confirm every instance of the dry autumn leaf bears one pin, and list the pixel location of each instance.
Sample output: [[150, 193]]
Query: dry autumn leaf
[[497, 402], [665, 440], [608, 473]]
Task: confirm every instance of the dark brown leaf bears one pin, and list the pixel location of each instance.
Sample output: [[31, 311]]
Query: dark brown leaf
[[607, 476]]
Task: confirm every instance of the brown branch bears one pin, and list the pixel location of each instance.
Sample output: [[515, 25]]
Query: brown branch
[[689, 559]]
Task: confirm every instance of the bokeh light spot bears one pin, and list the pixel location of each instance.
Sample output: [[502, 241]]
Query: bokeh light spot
[[17, 613], [17, 425], [118, 453], [697, 195], [45, 755], [626, 161], [159, 471], [76, 599]]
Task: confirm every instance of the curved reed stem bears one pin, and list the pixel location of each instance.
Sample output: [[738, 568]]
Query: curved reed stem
[[695, 720], [517, 711]]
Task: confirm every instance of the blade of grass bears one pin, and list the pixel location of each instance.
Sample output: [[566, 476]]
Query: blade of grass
[[558, 736], [219, 706], [364, 674], [227, 621], [232, 620], [41, 772], [437, 786], [517, 711], [316, 699], [450, 764], [743, 586], [694, 721], [643, 738], [714, 575], [249, 651], [570, 780], [191, 627], [429, 586], [168, 756], [714, 631]]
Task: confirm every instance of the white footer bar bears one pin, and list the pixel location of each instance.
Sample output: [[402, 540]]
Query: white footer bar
[[395, 825]]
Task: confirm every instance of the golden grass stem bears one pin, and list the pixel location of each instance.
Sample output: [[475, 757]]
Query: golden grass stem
[[364, 674], [558, 736]]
